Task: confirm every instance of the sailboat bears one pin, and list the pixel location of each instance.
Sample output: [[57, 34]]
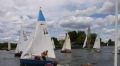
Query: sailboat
[[67, 45], [86, 39], [40, 43], [97, 45], [21, 43], [9, 46], [85, 42]]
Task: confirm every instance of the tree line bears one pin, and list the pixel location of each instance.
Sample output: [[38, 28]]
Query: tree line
[[77, 40]]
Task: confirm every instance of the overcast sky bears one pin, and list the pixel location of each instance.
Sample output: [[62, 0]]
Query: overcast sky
[[61, 16]]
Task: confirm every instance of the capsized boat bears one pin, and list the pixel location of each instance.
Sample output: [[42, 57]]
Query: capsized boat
[[67, 45], [40, 44], [97, 45]]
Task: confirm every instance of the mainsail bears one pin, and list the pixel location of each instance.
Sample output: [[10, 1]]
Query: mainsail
[[67, 43], [97, 43], [84, 45], [22, 38]]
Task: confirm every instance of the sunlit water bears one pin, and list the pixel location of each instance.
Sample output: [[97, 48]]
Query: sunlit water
[[76, 58]]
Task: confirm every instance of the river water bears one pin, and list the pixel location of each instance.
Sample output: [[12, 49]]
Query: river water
[[76, 58]]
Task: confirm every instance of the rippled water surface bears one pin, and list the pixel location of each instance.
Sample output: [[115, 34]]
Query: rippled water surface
[[76, 58]]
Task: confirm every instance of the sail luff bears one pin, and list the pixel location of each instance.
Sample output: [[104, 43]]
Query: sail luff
[[64, 44]]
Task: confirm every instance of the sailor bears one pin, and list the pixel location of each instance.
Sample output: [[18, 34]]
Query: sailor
[[37, 58], [44, 55]]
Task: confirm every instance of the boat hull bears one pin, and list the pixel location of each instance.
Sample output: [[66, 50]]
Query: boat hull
[[30, 62], [66, 51], [18, 54]]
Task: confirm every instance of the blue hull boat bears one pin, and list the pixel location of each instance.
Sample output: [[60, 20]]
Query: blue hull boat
[[29, 62]]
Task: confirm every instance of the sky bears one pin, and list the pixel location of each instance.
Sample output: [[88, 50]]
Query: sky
[[61, 16]]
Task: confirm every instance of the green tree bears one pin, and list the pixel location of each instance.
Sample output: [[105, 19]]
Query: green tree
[[92, 38], [73, 36], [56, 42], [81, 37], [111, 43]]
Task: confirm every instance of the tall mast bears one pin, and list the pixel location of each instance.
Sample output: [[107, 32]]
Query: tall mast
[[116, 32], [89, 38]]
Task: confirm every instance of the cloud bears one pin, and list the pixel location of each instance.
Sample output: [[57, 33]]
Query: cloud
[[60, 14], [108, 7], [74, 22]]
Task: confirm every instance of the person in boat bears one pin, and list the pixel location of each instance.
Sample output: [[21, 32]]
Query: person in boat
[[44, 55], [37, 58]]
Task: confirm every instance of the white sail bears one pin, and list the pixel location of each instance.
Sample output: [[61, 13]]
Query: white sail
[[39, 43], [67, 43], [22, 41], [53, 44], [97, 43], [85, 42], [22, 38], [9, 45]]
